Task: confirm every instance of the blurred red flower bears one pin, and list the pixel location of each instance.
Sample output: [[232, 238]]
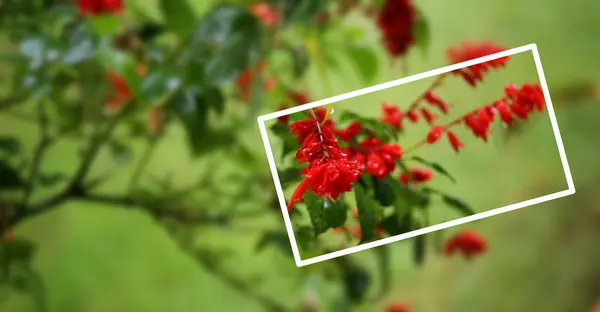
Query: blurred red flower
[[396, 21], [467, 242], [468, 51], [98, 7]]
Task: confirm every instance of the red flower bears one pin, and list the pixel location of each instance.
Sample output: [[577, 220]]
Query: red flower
[[413, 116], [392, 115], [350, 132], [468, 242], [468, 51], [245, 80], [265, 13], [429, 116], [396, 21], [505, 114], [454, 141], [99, 7], [435, 134], [479, 124], [379, 159], [356, 232], [333, 177], [120, 92], [419, 175], [397, 307], [283, 119], [529, 97], [433, 99]]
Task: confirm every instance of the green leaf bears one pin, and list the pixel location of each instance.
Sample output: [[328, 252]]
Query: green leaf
[[316, 206], [17, 250], [422, 33], [458, 204], [384, 191], [408, 197], [230, 37], [257, 97], [192, 106], [10, 145], [396, 225], [122, 153], [158, 83], [365, 61], [419, 249], [149, 31], [368, 213], [436, 167], [300, 10], [9, 177], [179, 17], [105, 24], [382, 131], [278, 239]]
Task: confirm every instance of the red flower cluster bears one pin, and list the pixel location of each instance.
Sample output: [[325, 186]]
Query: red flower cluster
[[468, 51], [398, 307], [517, 101], [348, 134], [265, 13], [99, 7], [330, 172], [416, 176], [392, 115], [376, 158], [468, 242], [433, 99], [120, 91], [396, 21]]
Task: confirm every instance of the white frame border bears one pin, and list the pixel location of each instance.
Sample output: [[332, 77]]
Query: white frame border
[[271, 159]]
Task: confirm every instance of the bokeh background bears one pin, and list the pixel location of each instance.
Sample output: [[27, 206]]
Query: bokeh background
[[541, 258]]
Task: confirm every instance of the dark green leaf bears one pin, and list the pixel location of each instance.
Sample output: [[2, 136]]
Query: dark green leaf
[[382, 131], [436, 167], [357, 281], [335, 212], [257, 97], [290, 142], [10, 145], [179, 17], [279, 239], [422, 33], [368, 213], [9, 177], [419, 249], [149, 31], [395, 225], [384, 192], [458, 204], [316, 206], [407, 197], [17, 250], [158, 83], [365, 61], [231, 38]]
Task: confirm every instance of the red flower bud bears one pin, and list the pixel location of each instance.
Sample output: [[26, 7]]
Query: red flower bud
[[435, 134], [429, 116], [413, 116], [468, 242], [433, 99], [454, 141]]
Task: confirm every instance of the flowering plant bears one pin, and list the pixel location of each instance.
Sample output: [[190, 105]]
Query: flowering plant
[[111, 85]]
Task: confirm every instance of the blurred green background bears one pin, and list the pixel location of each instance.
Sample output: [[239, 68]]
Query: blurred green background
[[541, 258]]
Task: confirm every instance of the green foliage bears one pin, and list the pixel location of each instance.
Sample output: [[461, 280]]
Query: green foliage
[[290, 143], [179, 17], [301, 11], [278, 239], [325, 213], [368, 213], [11, 179], [364, 60], [10, 146], [436, 167], [422, 33], [419, 249]]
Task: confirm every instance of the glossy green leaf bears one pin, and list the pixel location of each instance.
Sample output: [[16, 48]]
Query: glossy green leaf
[[10, 178], [289, 175], [365, 61], [422, 33], [316, 212], [158, 83], [179, 17], [10, 145], [408, 197], [229, 41], [368, 213], [436, 167], [396, 225]]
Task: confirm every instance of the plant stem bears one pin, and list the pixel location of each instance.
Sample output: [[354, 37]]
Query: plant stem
[[44, 143], [434, 85], [139, 169]]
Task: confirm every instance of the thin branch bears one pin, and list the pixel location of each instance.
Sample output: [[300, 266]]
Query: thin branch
[[434, 85], [139, 169], [41, 148]]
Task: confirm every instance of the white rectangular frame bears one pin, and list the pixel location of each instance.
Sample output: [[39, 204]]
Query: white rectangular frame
[[288, 224]]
